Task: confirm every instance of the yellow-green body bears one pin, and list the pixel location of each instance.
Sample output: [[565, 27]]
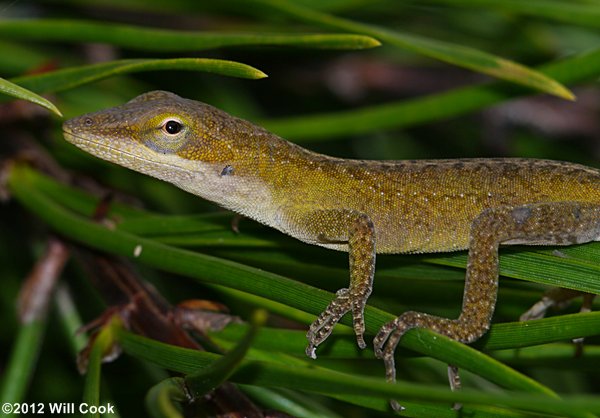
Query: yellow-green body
[[420, 206], [363, 207]]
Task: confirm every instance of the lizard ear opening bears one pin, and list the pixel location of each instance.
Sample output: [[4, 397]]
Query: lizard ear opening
[[155, 95], [226, 171]]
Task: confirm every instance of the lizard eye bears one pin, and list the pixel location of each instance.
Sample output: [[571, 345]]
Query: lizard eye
[[172, 127]]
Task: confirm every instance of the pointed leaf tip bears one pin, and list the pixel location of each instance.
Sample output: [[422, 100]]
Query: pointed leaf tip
[[566, 93], [260, 74], [14, 90], [372, 42]]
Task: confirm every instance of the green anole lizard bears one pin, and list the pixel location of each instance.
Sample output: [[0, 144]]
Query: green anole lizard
[[362, 207]]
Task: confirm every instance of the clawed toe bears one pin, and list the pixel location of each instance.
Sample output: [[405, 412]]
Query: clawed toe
[[360, 341], [345, 301], [322, 327], [396, 406], [381, 339], [311, 351]]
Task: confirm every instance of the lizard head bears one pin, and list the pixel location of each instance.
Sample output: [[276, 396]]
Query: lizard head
[[156, 123], [161, 134], [195, 146]]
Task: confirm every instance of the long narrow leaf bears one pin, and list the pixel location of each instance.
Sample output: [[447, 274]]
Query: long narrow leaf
[[322, 380], [19, 92], [101, 346], [560, 11], [76, 76], [161, 398], [207, 379], [551, 267], [153, 39], [21, 364]]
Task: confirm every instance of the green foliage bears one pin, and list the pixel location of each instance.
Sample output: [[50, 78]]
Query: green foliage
[[408, 98], [145, 39], [76, 76], [420, 110], [14, 90]]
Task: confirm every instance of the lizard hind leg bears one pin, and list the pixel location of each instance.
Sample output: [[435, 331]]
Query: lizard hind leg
[[559, 223]]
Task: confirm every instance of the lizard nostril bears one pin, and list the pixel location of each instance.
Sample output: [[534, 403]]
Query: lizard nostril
[[88, 122]]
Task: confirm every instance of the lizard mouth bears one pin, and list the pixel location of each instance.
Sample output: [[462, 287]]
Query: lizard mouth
[[116, 155]]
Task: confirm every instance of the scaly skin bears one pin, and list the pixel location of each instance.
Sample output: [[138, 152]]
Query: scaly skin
[[363, 207]]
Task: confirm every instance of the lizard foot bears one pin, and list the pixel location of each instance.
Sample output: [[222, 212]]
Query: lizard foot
[[385, 344], [346, 300], [455, 384], [389, 336]]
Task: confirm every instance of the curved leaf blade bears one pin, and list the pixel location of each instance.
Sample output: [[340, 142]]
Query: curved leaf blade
[[320, 380], [19, 92], [562, 268], [76, 76], [20, 366], [160, 399], [560, 11], [102, 344], [153, 39], [502, 336], [207, 379]]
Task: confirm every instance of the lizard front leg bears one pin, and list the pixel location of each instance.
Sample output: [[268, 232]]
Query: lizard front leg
[[356, 231], [558, 223]]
